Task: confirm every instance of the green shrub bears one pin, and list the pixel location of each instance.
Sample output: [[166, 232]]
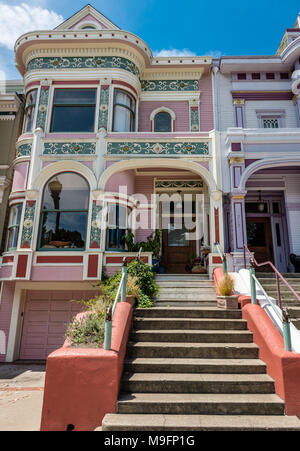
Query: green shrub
[[144, 279], [88, 330]]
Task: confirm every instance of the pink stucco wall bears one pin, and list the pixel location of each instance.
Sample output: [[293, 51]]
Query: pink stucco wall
[[6, 303], [125, 178], [180, 108], [19, 179]]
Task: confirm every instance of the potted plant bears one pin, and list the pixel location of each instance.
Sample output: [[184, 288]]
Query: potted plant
[[225, 297]]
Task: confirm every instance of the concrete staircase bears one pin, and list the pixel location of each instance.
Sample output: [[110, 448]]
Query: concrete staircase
[[288, 300], [195, 368], [195, 290]]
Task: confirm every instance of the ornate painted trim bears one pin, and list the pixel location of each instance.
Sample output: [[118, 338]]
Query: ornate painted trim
[[24, 150], [83, 62], [27, 230], [43, 107], [104, 105], [178, 184], [170, 85], [95, 236], [69, 148], [158, 148], [194, 118]]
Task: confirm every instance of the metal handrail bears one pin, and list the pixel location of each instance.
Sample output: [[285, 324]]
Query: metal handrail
[[111, 309], [277, 273], [223, 257], [284, 317]]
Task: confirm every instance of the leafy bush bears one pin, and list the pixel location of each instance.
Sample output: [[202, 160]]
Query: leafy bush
[[88, 330], [145, 286]]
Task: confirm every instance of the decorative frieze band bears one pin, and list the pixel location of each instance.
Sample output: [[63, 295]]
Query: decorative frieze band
[[83, 62], [157, 148], [170, 85], [69, 148], [178, 184], [24, 150]]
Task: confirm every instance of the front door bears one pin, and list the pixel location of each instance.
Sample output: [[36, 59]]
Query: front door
[[177, 249], [259, 236]]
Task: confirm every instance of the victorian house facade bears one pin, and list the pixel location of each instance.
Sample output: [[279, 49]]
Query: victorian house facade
[[111, 134]]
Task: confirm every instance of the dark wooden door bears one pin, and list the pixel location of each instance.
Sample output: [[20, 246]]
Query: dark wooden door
[[177, 249], [259, 236]]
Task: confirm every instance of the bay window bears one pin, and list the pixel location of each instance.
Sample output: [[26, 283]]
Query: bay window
[[73, 110], [64, 213], [124, 111]]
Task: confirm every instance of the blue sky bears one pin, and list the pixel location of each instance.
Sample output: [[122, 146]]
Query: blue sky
[[167, 26]]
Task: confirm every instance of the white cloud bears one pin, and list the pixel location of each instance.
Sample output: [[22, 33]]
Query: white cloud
[[174, 52], [16, 20]]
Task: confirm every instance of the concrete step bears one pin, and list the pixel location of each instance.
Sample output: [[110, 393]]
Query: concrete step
[[181, 312], [189, 323], [184, 284], [271, 275], [201, 404], [182, 297], [196, 336], [193, 350], [184, 365], [179, 277], [296, 323], [294, 312], [196, 383], [189, 303], [132, 422]]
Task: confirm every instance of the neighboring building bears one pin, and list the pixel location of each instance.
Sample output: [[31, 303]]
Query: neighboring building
[[257, 113], [110, 133], [11, 117]]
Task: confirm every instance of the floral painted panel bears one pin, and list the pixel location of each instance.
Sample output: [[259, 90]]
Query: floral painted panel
[[157, 148], [43, 107], [67, 148], [170, 85], [95, 238], [27, 231], [24, 150], [103, 108]]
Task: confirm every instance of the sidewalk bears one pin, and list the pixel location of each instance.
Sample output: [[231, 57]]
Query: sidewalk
[[21, 396]]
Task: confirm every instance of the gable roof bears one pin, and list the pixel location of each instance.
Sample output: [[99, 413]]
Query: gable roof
[[87, 14]]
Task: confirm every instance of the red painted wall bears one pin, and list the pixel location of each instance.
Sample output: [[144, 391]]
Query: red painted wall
[[82, 384]]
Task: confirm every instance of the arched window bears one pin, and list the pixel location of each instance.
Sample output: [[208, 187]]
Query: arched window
[[124, 111], [64, 213], [162, 122]]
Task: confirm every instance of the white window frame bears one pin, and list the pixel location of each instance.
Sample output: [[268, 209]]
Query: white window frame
[[163, 109], [270, 114]]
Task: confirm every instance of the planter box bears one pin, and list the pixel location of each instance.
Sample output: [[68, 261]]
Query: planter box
[[227, 302]]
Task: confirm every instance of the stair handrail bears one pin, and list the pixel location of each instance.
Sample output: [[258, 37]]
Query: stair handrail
[[277, 273], [111, 309], [223, 257]]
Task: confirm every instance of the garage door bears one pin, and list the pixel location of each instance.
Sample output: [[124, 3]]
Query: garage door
[[46, 317]]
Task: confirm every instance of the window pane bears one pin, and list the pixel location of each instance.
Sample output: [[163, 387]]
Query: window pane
[[15, 215], [73, 119], [270, 123], [12, 239], [177, 237], [63, 230], [66, 191], [30, 110], [162, 122], [75, 96], [116, 238], [122, 119]]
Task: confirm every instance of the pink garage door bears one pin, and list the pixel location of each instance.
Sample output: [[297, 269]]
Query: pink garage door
[[46, 317]]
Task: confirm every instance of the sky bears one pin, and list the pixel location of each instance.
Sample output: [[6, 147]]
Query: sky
[[169, 27]]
